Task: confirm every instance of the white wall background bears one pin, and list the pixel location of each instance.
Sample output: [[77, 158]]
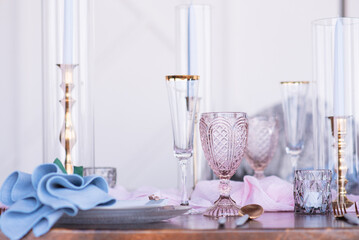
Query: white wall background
[[256, 44]]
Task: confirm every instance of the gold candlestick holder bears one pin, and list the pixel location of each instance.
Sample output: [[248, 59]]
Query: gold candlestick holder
[[67, 135], [339, 131]]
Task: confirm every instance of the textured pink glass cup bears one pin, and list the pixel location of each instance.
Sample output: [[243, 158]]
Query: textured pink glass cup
[[224, 139], [262, 143]]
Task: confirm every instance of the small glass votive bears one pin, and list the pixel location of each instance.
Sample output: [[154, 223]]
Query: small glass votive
[[108, 173], [312, 194]]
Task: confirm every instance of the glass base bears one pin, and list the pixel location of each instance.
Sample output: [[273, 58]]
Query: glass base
[[223, 207]]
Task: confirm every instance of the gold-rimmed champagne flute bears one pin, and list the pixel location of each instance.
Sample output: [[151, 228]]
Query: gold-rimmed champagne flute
[[294, 98], [182, 95]]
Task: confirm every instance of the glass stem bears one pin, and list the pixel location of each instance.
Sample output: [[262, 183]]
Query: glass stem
[[184, 194], [224, 188], [294, 159], [259, 174]]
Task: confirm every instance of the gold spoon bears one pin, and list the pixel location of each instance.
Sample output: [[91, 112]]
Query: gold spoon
[[253, 211]]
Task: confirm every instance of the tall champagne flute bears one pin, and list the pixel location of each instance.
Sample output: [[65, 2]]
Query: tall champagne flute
[[224, 139], [294, 98], [182, 94]]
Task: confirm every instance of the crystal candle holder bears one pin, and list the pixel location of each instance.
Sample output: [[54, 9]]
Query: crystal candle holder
[[312, 192]]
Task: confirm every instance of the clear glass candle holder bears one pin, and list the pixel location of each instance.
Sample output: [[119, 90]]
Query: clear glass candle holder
[[335, 107], [68, 71], [193, 57], [312, 192]]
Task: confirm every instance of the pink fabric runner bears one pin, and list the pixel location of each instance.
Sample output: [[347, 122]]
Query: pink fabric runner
[[272, 193]]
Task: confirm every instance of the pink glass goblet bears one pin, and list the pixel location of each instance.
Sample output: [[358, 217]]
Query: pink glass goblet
[[224, 138], [262, 143]]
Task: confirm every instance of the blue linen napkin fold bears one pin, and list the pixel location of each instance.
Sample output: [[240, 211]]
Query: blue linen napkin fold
[[37, 201]]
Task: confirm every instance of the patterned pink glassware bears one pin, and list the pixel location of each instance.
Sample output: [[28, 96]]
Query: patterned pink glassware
[[224, 138], [262, 143]]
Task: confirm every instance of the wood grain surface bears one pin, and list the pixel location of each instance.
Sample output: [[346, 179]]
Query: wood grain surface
[[271, 225]]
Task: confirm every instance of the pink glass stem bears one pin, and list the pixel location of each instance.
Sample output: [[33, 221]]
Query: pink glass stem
[[184, 194], [224, 188], [259, 174]]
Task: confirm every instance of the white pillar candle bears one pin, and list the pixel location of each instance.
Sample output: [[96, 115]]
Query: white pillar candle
[[68, 32], [339, 88], [192, 46], [192, 42]]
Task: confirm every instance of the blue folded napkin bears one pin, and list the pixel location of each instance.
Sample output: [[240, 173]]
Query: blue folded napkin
[[37, 201]]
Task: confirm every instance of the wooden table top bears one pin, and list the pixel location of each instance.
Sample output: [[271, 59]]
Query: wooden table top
[[271, 225]]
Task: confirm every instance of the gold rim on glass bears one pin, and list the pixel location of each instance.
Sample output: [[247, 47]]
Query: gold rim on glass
[[295, 82], [182, 77]]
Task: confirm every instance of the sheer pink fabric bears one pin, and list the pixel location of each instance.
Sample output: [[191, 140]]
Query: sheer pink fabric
[[272, 193]]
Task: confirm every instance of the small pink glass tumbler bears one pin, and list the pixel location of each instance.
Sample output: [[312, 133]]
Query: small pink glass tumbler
[[224, 139]]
